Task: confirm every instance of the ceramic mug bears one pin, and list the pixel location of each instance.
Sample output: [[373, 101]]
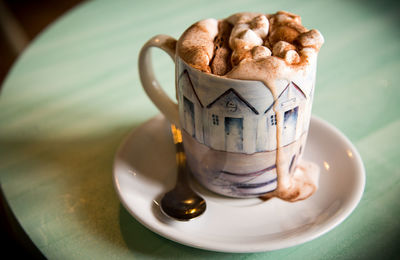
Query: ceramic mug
[[229, 126]]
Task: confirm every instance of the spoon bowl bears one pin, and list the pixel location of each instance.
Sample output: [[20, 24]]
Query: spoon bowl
[[182, 203]]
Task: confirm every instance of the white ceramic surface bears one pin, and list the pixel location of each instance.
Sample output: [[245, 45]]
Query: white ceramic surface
[[144, 169]]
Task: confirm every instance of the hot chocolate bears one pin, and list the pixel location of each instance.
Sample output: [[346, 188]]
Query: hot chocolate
[[271, 49]]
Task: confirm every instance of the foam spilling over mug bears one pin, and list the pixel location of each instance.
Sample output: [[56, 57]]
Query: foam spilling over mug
[[244, 87]]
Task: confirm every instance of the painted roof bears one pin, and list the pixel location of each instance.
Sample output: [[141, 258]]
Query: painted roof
[[283, 91], [213, 88], [231, 90]]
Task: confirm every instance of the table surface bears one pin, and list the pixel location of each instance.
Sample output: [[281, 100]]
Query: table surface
[[75, 93]]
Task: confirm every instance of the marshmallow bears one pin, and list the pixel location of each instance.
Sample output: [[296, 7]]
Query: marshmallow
[[211, 25], [286, 51], [198, 44], [282, 17], [249, 31], [312, 38], [250, 37], [236, 31], [280, 48], [292, 57], [260, 52], [243, 17], [260, 25]]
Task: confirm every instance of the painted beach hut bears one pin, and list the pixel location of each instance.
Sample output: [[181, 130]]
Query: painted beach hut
[[236, 119]]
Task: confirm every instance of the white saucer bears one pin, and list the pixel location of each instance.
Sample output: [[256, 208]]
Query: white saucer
[[144, 169]]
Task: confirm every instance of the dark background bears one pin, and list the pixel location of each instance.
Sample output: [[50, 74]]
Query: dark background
[[20, 22], [30, 17]]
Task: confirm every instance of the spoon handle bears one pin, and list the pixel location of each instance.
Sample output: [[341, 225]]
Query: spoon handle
[[180, 157]]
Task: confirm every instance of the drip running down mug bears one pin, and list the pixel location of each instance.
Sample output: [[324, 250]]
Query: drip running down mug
[[230, 126]]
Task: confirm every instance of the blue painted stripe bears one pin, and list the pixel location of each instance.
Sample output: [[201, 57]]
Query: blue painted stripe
[[251, 173], [253, 185], [255, 194]]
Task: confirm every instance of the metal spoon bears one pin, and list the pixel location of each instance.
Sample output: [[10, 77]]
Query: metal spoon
[[182, 203]]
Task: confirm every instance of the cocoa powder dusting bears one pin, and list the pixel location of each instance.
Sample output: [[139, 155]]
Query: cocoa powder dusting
[[220, 64]]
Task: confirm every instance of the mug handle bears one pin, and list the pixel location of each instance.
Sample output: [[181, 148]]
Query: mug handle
[[150, 84]]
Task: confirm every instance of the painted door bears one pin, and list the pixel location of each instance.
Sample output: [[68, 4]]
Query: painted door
[[289, 125], [188, 112], [233, 134]]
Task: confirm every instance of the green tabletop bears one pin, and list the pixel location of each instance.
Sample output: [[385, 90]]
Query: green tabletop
[[75, 93]]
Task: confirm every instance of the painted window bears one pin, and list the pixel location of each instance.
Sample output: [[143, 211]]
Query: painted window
[[188, 112], [290, 118], [232, 106], [273, 119], [215, 119]]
